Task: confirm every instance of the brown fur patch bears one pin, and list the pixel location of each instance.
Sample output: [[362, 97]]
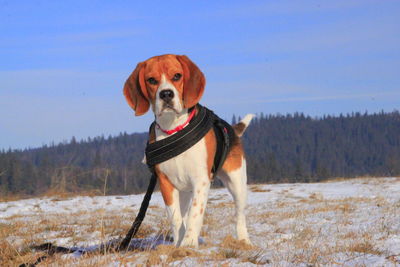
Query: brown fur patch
[[156, 67], [234, 159], [194, 82], [166, 187], [152, 135], [135, 91], [239, 128], [211, 146]]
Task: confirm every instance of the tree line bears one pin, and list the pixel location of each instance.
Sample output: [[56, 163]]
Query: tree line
[[279, 148]]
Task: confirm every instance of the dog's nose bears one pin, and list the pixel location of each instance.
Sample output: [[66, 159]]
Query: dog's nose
[[166, 95]]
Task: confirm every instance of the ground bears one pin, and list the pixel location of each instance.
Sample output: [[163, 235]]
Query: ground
[[352, 222]]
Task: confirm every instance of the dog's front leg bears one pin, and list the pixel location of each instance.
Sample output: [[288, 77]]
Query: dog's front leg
[[196, 212], [171, 199], [175, 217]]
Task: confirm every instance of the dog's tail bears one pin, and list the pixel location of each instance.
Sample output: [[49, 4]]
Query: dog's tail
[[241, 127]]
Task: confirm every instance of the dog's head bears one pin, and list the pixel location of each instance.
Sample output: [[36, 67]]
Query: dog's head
[[169, 83]]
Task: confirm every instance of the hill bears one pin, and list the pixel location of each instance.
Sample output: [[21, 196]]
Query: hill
[[280, 148]]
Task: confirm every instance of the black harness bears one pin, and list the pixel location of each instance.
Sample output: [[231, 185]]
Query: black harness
[[156, 153], [198, 127]]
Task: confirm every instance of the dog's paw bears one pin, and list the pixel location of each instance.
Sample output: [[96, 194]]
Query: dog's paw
[[189, 241], [247, 241]]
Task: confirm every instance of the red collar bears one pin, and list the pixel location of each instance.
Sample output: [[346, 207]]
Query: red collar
[[179, 127]]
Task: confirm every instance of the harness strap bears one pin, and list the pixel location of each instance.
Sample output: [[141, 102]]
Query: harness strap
[[225, 136], [181, 141]]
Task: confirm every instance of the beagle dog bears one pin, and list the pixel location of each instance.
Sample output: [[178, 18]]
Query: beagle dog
[[171, 85]]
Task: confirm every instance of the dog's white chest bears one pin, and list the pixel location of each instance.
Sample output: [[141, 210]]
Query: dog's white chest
[[186, 168]]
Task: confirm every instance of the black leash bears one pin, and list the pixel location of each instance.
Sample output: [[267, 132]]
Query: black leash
[[156, 153], [142, 212], [50, 250]]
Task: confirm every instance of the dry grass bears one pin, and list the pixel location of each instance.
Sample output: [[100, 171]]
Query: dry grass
[[316, 196], [7, 198], [165, 254], [364, 179], [258, 188], [231, 248], [74, 225], [78, 228], [309, 231], [231, 243], [20, 232], [364, 246], [297, 211], [308, 245]]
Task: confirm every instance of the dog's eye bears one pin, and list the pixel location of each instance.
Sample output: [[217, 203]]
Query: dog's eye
[[151, 80], [177, 76]]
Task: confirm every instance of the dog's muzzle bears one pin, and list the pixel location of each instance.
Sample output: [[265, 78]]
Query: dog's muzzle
[[167, 95]]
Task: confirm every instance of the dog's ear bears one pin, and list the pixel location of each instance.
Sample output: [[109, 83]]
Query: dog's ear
[[194, 82], [135, 91]]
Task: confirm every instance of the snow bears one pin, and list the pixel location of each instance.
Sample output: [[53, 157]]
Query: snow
[[82, 203], [339, 223]]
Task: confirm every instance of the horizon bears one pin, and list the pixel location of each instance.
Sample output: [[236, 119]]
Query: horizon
[[64, 64], [257, 115]]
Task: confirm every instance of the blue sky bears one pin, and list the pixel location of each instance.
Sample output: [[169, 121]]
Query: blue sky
[[63, 64]]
